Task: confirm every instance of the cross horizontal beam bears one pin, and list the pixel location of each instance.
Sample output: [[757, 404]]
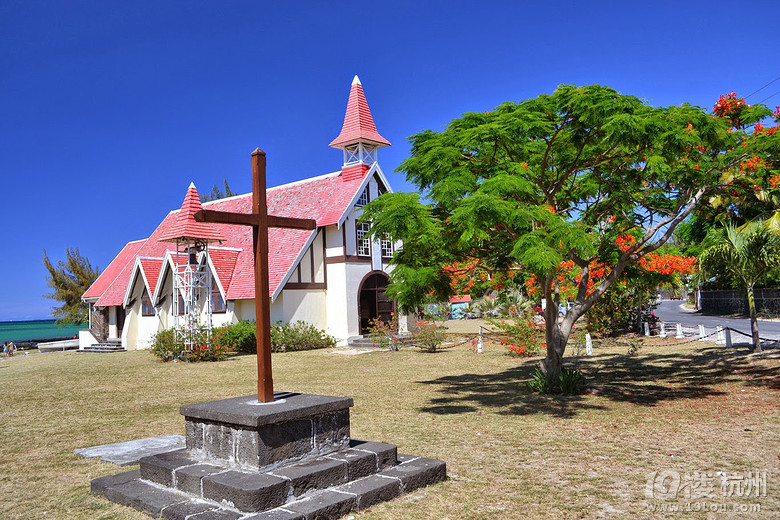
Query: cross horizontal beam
[[253, 219]]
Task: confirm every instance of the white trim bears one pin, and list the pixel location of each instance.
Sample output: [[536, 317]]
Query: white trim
[[131, 282], [374, 170], [167, 263], [215, 277], [294, 265]]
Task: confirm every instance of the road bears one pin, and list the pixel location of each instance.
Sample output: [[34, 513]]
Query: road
[[672, 312]]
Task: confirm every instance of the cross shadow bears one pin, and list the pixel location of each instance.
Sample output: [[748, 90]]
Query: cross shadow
[[643, 380]]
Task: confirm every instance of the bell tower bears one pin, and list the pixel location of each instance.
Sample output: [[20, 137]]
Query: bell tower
[[359, 138]]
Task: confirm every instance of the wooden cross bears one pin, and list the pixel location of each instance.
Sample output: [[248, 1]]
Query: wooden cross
[[260, 221]]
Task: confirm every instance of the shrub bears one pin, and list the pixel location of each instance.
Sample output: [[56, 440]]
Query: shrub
[[570, 382], [290, 337], [238, 336], [385, 334], [170, 345], [522, 336], [427, 335], [166, 346]]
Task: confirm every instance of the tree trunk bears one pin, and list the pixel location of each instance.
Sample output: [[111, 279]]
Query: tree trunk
[[557, 336], [753, 320]]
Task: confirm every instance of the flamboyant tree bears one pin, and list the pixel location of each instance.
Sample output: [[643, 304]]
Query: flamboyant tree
[[554, 178]]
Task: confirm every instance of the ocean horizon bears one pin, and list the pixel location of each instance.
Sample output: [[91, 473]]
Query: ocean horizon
[[36, 330]]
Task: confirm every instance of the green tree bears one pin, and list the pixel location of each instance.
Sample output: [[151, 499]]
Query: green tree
[[69, 279], [747, 254], [553, 178], [217, 193]]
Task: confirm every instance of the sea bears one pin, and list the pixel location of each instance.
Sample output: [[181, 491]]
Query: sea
[[36, 331]]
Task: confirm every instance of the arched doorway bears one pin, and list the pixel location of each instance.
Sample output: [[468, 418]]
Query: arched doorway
[[373, 302]]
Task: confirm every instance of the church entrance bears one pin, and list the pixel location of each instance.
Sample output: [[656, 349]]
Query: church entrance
[[373, 302]]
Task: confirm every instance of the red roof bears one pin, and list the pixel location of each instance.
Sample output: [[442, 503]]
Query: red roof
[[358, 121], [186, 227], [151, 268], [460, 299], [326, 199], [125, 257]]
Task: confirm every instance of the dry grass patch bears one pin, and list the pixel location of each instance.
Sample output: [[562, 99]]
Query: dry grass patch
[[510, 454]]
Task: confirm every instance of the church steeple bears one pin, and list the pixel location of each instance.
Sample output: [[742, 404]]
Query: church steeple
[[359, 138]]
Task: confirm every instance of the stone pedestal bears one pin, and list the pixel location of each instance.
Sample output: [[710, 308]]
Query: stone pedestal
[[242, 432], [291, 459]]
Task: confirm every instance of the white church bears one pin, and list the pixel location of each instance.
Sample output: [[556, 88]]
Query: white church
[[333, 277]]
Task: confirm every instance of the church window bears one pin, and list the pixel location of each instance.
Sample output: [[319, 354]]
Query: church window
[[363, 199], [147, 309], [387, 246], [363, 240], [180, 311], [217, 301]]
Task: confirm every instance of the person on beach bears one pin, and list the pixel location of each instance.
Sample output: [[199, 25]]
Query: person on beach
[[5, 349], [11, 348]]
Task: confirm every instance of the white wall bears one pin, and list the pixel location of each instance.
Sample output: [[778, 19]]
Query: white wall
[[304, 305]]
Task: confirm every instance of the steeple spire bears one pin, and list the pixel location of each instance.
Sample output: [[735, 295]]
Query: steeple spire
[[359, 138], [185, 227]]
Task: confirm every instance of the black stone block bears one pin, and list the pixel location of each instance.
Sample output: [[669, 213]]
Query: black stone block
[[290, 440], [144, 496], [372, 490], [186, 509], [317, 473], [418, 473], [276, 514], [99, 485], [159, 468], [323, 506], [386, 454], [331, 431], [188, 478], [246, 411], [248, 492], [361, 463], [217, 514]]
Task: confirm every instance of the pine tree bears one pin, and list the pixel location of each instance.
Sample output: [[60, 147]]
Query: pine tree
[[217, 193], [69, 279]]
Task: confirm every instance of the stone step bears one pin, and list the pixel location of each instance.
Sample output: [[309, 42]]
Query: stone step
[[101, 349], [109, 345], [251, 489], [256, 491], [369, 342]]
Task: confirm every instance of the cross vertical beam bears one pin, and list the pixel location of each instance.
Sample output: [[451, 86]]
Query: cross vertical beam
[[265, 383]]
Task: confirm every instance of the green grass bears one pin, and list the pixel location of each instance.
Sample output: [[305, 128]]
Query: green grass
[[509, 453]]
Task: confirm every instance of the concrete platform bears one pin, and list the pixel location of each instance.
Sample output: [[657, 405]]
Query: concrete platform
[[130, 452]]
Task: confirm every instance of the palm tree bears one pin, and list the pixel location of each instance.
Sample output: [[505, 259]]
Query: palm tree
[[747, 254]]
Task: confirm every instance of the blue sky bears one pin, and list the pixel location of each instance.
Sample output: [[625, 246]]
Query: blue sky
[[108, 110]]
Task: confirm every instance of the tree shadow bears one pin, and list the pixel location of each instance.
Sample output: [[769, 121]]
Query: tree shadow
[[647, 379]]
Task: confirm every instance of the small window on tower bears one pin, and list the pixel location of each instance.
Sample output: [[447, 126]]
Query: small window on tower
[[363, 240], [363, 199]]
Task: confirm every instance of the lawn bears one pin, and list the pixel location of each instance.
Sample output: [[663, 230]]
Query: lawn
[[685, 408]]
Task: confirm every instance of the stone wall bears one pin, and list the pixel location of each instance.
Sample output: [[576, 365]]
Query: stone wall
[[99, 322], [733, 301]]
